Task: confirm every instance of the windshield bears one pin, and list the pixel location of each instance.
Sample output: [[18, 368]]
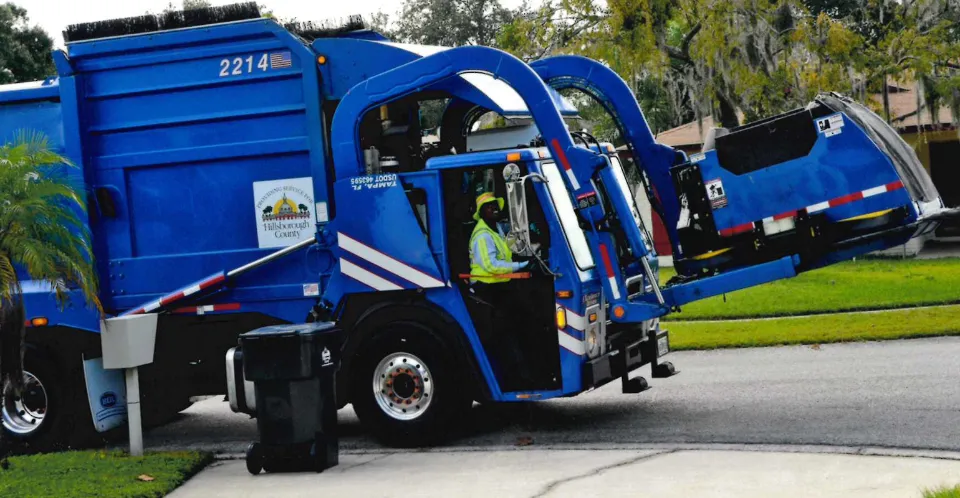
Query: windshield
[[568, 217], [627, 192]]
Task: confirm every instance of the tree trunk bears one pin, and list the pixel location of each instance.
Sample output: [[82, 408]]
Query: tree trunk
[[12, 332], [727, 113], [886, 100]]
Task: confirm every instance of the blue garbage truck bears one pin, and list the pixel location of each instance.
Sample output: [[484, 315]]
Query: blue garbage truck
[[243, 173]]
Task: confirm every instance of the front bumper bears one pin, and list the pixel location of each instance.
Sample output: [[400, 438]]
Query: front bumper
[[629, 356]]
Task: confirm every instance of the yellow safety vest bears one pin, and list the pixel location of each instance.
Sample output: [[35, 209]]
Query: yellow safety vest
[[484, 269]]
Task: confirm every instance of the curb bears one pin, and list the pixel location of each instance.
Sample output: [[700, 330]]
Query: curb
[[756, 448]]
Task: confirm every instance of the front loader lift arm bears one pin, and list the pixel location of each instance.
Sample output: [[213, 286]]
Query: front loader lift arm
[[579, 165], [610, 91]]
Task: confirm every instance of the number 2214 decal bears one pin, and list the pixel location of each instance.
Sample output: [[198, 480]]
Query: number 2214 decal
[[238, 66]]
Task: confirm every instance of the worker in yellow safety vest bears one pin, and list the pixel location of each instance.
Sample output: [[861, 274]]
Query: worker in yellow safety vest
[[490, 260], [489, 253]]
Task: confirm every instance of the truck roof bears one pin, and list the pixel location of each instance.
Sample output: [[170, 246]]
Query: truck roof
[[31, 90], [500, 96]]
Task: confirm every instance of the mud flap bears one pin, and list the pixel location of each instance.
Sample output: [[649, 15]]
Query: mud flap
[[107, 395]]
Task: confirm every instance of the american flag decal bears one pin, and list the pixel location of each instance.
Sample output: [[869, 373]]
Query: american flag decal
[[280, 60]]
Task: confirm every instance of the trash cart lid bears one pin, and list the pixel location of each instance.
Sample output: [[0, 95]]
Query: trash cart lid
[[291, 329]]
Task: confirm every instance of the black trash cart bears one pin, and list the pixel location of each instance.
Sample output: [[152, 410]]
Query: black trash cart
[[293, 368]]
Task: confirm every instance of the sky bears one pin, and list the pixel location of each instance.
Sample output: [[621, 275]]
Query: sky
[[54, 15]]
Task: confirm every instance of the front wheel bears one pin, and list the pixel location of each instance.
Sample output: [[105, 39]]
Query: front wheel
[[405, 388]]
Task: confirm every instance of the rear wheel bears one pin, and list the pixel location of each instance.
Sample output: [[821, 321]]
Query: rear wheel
[[405, 388], [50, 413]]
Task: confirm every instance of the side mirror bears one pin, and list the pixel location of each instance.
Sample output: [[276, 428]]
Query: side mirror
[[517, 206], [511, 172]]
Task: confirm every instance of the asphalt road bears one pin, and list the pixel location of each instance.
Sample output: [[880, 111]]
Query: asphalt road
[[903, 394]]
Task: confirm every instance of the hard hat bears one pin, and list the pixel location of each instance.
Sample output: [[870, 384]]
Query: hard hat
[[483, 199]]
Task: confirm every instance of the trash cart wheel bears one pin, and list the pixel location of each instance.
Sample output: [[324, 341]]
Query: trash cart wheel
[[405, 388], [255, 458]]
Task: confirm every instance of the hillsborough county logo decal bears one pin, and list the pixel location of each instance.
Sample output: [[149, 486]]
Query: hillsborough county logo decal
[[283, 211]]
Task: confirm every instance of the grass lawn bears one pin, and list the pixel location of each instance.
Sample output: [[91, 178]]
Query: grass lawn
[[879, 325], [857, 285], [98, 473], [944, 492]]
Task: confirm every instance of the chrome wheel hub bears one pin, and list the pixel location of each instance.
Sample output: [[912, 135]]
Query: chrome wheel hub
[[23, 414], [402, 386]]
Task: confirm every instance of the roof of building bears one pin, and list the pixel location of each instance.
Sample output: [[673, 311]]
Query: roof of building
[[691, 133], [903, 110]]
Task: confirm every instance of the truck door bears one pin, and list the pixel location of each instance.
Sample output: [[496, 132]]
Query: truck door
[[514, 318]]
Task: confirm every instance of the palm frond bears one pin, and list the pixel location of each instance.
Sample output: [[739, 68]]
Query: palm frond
[[42, 226]]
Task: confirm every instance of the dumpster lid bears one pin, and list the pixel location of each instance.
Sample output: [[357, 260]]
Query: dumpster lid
[[291, 329]]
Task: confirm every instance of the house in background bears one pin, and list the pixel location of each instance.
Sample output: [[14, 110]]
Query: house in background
[[936, 141]]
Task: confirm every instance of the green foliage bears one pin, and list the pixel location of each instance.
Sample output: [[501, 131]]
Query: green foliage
[[754, 58], [99, 473], [842, 327], [942, 492], [40, 225], [451, 23], [24, 49], [856, 285], [188, 5]]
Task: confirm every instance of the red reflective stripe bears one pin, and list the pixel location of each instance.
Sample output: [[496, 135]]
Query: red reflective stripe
[[561, 155], [606, 260], [781, 216], [136, 312], [215, 307], [169, 298], [839, 201], [746, 227], [213, 281]]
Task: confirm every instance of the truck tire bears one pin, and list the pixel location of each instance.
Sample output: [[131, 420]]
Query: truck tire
[[405, 387], [51, 414]]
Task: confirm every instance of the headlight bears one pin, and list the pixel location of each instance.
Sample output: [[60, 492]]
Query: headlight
[[593, 340]]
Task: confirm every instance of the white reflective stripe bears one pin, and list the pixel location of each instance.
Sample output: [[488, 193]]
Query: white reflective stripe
[[820, 206], [372, 280], [573, 179], [152, 306], [576, 321], [613, 286], [874, 191], [387, 263], [205, 309], [570, 343], [191, 290]]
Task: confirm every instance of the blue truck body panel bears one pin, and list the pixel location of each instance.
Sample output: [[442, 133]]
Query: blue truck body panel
[[836, 166], [177, 127]]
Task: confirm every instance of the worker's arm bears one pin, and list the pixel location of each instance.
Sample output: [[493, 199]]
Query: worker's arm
[[485, 255]]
